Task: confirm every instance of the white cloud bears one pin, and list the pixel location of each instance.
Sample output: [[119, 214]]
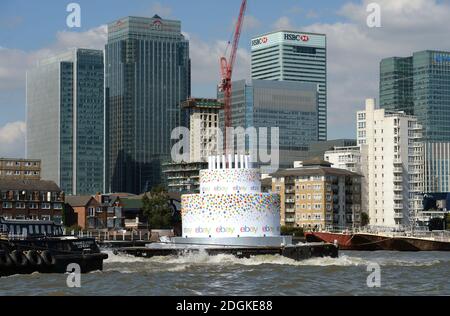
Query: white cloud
[[161, 10], [355, 51], [12, 140], [205, 61], [14, 62], [283, 23]]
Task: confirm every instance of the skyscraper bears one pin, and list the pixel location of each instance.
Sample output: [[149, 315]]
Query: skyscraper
[[65, 111], [419, 85], [290, 106], [294, 56], [147, 77]]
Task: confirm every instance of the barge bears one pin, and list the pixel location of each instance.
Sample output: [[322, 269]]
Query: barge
[[28, 246], [381, 241], [295, 252]]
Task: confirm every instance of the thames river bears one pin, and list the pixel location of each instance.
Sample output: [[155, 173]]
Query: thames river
[[424, 273]]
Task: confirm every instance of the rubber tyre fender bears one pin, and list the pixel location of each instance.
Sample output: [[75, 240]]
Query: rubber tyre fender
[[48, 258], [18, 258], [5, 260], [34, 258]]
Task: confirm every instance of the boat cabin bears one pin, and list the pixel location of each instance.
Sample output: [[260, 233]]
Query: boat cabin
[[29, 228]]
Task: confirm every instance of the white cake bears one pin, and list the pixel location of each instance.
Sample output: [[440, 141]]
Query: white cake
[[230, 203]]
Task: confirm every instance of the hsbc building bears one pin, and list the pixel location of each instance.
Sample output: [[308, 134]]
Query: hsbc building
[[294, 56]]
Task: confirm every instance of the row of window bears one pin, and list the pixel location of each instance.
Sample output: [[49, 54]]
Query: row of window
[[31, 206]]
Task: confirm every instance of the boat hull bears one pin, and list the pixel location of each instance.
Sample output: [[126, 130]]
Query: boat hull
[[372, 242]]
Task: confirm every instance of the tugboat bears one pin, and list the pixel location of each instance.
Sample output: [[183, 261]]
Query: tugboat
[[28, 246]]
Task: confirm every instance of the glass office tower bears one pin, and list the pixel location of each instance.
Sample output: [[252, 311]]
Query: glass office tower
[[419, 85], [290, 106], [294, 56], [65, 112], [147, 77]]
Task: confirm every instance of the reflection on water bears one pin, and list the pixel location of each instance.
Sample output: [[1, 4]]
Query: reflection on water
[[200, 274]]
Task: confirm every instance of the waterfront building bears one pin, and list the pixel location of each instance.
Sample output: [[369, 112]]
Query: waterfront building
[[16, 168], [183, 177], [317, 196], [290, 106], [353, 159], [147, 77], [31, 199], [65, 113], [203, 122], [294, 56], [318, 149], [94, 212], [394, 165], [419, 85]]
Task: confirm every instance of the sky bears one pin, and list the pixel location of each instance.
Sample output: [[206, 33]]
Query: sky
[[31, 30]]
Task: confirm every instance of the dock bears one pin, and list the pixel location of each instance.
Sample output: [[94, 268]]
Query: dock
[[296, 252]]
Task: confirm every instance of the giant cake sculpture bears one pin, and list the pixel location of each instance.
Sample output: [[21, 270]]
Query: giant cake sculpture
[[231, 210]]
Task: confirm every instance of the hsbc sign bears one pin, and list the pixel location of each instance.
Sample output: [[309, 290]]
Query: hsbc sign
[[259, 41], [296, 37]]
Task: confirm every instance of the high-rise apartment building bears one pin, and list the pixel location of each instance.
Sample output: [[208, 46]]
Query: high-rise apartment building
[[394, 165], [147, 77], [294, 56], [65, 117], [203, 122]]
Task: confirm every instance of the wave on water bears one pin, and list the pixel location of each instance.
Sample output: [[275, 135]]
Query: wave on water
[[181, 263]]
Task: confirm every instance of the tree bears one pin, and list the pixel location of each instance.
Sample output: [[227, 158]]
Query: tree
[[156, 208], [364, 219]]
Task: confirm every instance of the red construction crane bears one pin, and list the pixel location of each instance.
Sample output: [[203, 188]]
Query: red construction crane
[[226, 68]]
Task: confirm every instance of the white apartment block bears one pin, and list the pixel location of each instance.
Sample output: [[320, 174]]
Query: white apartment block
[[394, 172], [203, 126], [203, 136]]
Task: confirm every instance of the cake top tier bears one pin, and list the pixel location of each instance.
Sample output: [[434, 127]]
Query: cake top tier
[[229, 162]]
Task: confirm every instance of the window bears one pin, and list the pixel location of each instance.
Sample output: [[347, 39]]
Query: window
[[20, 205], [7, 205], [91, 211], [57, 206], [46, 206]]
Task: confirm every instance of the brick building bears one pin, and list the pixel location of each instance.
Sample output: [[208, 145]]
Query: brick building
[[31, 199], [25, 169]]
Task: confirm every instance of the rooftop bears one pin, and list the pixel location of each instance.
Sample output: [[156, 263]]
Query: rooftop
[[29, 185], [78, 200]]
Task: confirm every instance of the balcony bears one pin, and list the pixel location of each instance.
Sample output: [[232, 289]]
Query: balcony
[[290, 201], [398, 179], [398, 197], [398, 188], [398, 206], [290, 191], [398, 216], [290, 210], [290, 220], [398, 170]]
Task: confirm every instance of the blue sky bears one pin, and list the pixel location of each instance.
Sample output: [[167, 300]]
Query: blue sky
[[30, 30], [33, 24]]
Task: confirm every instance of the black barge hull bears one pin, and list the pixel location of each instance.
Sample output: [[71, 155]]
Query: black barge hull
[[86, 262], [295, 252]]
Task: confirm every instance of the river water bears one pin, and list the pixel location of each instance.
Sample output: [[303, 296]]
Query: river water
[[424, 273]]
